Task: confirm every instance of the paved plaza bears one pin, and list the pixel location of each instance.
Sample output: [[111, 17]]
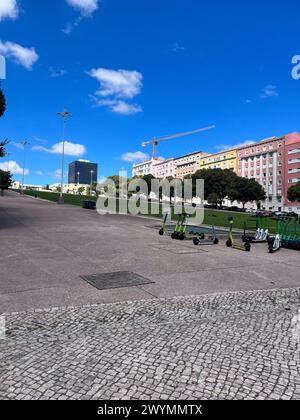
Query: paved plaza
[[241, 345], [45, 249], [214, 323]]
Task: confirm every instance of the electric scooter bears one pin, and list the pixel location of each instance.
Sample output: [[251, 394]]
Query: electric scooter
[[289, 240], [180, 228], [260, 236], [230, 243], [163, 229], [274, 243], [212, 240]]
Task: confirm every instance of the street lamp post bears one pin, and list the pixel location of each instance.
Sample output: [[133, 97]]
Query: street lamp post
[[24, 144], [92, 173], [65, 115]]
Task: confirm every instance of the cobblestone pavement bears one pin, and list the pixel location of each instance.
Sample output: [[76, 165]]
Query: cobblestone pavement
[[242, 345]]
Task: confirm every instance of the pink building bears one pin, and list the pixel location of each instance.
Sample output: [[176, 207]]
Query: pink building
[[291, 168], [263, 162], [164, 169], [269, 163]]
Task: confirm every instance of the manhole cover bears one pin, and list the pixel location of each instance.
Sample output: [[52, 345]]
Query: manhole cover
[[116, 280]]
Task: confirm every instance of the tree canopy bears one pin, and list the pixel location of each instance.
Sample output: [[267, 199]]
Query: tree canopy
[[2, 147], [5, 180], [2, 103], [294, 194], [246, 190], [218, 183], [222, 184]]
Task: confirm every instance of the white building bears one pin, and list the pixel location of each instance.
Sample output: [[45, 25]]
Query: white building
[[145, 168], [16, 185]]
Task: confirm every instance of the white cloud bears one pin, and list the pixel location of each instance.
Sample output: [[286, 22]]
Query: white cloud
[[21, 55], [234, 146], [135, 157], [68, 29], [85, 7], [118, 107], [71, 149], [57, 174], [39, 173], [13, 167], [177, 47], [116, 88], [39, 140], [56, 73], [17, 145], [269, 91], [8, 9], [120, 83]]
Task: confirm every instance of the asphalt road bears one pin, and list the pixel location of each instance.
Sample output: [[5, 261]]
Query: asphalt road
[[45, 248]]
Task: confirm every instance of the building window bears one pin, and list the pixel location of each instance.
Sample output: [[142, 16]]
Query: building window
[[291, 152], [291, 161]]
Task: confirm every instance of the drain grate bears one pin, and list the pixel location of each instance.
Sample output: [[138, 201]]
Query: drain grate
[[179, 250], [116, 280]]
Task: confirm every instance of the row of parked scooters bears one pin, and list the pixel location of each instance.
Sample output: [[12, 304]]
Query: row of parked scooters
[[183, 232], [286, 237]]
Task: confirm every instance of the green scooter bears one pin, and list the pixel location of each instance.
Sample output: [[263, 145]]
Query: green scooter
[[230, 243], [180, 228]]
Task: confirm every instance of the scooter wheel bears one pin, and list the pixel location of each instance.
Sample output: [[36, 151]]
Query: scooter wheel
[[173, 236], [181, 237], [196, 241], [216, 241], [161, 232], [247, 247], [229, 243], [201, 235]]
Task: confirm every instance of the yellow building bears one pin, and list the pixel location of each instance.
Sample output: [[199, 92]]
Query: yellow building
[[222, 160]]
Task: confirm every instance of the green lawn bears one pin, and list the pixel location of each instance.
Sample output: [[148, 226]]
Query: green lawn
[[220, 218], [75, 200]]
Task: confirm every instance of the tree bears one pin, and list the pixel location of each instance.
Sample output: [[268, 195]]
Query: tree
[[5, 181], [2, 103], [81, 190], [218, 183], [148, 179], [246, 190], [118, 180], [2, 147], [294, 193], [213, 199]]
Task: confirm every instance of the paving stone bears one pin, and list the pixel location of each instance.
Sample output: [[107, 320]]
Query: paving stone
[[228, 346]]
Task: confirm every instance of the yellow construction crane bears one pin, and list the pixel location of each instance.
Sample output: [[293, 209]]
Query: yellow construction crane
[[155, 141]]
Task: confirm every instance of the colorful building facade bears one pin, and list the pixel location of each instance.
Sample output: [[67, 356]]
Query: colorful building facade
[[222, 160], [164, 169], [145, 168], [263, 162], [188, 164], [274, 163], [291, 168]]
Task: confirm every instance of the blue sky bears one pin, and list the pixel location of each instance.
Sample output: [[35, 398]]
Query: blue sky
[[129, 70]]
